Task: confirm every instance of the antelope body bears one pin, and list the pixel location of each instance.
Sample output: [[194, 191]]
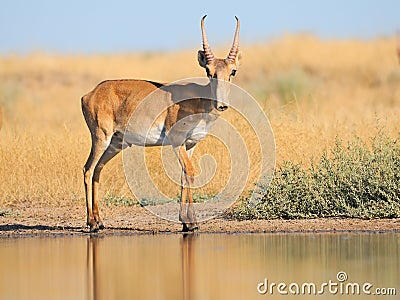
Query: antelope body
[[109, 106]]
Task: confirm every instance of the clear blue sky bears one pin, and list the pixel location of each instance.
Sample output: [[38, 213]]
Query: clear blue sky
[[79, 26]]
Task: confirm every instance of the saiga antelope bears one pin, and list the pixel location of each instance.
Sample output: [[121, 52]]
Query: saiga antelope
[[108, 107]]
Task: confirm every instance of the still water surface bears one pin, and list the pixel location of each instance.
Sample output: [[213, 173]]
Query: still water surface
[[197, 266]]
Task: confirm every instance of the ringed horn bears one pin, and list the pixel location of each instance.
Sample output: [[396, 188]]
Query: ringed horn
[[207, 49], [235, 45]]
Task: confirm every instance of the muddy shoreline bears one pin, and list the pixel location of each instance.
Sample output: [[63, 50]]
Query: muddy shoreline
[[119, 220]]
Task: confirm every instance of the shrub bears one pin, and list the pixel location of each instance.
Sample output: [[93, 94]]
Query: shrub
[[357, 180], [118, 200]]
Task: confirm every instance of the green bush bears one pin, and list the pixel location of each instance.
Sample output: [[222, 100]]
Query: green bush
[[118, 200], [357, 180], [197, 198]]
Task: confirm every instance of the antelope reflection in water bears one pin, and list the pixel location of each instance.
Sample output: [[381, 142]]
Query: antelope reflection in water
[[188, 265], [92, 267], [96, 253]]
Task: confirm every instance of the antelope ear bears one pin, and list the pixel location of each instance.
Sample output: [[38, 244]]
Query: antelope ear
[[201, 57], [238, 60]]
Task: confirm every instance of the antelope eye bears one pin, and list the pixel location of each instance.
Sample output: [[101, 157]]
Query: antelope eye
[[233, 73]]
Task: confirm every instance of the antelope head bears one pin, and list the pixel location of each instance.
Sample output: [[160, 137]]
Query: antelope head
[[220, 70]]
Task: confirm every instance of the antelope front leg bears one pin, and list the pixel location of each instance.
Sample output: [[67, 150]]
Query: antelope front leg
[[183, 208], [186, 213], [190, 212]]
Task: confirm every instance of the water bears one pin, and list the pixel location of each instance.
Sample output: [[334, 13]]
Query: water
[[197, 266]]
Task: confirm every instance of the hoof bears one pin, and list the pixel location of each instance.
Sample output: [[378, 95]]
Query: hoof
[[98, 222], [95, 227], [101, 225], [189, 227]]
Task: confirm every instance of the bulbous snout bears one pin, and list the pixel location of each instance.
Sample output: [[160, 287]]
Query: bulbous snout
[[220, 93]]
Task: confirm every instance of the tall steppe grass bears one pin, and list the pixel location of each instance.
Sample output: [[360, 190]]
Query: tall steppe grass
[[324, 99]]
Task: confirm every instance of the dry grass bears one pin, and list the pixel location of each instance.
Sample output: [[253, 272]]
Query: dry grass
[[312, 91]]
